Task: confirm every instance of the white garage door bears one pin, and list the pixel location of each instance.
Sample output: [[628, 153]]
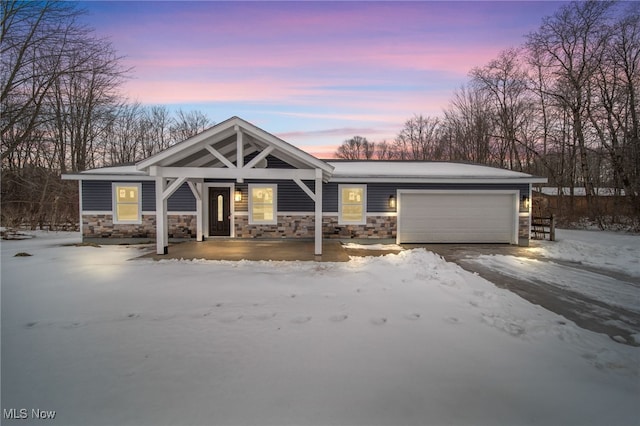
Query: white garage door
[[456, 218]]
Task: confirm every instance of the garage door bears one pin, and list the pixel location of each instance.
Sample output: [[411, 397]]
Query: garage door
[[456, 218]]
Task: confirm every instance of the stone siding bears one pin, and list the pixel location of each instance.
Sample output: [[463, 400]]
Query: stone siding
[[523, 230], [304, 227], [287, 227], [376, 227], [184, 226], [102, 226]]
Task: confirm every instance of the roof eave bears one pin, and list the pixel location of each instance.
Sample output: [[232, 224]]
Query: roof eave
[[106, 176], [437, 179]]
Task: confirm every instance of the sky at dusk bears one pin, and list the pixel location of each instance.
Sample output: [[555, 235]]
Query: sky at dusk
[[313, 73]]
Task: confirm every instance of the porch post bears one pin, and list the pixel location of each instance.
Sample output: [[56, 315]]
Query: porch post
[[199, 212], [239, 151], [162, 237], [318, 220]]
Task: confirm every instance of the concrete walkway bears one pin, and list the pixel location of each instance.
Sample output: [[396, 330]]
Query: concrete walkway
[[277, 250]]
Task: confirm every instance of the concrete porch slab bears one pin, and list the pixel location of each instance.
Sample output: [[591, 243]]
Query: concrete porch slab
[[277, 250]]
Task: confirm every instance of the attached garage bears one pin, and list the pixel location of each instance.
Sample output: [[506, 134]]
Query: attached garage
[[457, 216]]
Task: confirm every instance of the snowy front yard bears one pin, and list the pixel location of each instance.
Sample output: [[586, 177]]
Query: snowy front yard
[[404, 339]]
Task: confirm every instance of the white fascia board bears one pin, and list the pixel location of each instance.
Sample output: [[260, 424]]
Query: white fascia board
[[484, 180], [104, 176], [286, 147], [189, 146], [225, 129], [197, 143], [225, 173]]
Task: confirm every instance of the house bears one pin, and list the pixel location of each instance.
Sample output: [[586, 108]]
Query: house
[[235, 180]]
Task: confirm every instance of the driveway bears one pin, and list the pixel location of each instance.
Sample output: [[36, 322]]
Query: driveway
[[549, 283]]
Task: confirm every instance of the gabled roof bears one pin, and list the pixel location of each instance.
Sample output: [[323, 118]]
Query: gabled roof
[[193, 152], [217, 148], [424, 171]]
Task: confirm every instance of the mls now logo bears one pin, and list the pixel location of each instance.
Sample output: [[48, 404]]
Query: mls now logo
[[23, 413]]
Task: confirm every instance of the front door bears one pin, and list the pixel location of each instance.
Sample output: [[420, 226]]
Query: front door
[[220, 212]]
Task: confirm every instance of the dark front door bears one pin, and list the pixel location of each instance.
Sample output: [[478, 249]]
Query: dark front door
[[219, 212]]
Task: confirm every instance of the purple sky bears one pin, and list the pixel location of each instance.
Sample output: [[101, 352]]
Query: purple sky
[[313, 73]]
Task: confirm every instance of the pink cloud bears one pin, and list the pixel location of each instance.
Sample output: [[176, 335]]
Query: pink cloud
[[177, 91], [224, 61], [320, 151]]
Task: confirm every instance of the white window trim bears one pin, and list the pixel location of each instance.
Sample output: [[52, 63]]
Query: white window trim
[[114, 203], [364, 205], [275, 203]]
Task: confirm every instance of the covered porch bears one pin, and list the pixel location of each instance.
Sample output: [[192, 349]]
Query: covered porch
[[232, 153]]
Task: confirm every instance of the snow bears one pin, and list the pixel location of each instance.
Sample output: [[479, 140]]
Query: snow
[[381, 170], [614, 251], [115, 170], [103, 338], [383, 247], [604, 266], [130, 169], [420, 169], [592, 284]]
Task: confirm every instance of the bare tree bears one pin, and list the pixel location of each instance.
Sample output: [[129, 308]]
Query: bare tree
[[356, 148], [505, 81], [384, 151], [81, 103], [38, 41], [468, 127], [188, 124], [56, 76], [612, 108], [125, 135], [573, 41], [419, 139], [158, 123]]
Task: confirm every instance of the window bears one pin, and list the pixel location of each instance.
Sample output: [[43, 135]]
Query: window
[[127, 203], [352, 204], [263, 202]]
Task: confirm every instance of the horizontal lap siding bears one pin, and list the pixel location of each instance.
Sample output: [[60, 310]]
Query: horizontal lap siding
[[291, 198], [97, 196], [148, 196], [378, 193], [272, 162], [182, 200]]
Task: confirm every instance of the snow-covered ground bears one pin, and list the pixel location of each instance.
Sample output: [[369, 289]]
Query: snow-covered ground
[[402, 339], [603, 266], [616, 251]]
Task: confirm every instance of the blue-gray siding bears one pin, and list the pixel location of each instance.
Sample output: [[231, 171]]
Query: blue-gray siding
[[378, 193], [291, 198], [97, 195]]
